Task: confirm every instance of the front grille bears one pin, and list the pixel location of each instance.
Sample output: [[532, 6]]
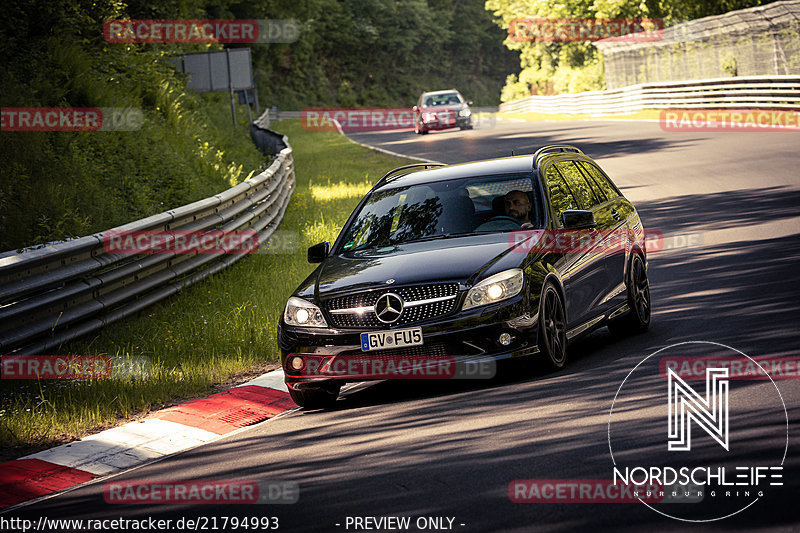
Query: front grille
[[410, 315], [435, 349], [366, 321]]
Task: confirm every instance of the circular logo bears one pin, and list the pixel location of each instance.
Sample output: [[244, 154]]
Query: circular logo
[[699, 431], [388, 308]]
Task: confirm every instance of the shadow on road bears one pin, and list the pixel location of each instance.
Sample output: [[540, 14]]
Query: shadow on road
[[460, 147], [729, 209]]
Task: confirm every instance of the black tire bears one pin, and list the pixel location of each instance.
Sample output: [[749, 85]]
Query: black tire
[[424, 132], [637, 320], [552, 327], [314, 398]]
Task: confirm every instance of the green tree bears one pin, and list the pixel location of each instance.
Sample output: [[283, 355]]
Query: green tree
[[547, 68]]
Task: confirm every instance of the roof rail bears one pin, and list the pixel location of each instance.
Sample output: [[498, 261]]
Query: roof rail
[[401, 171], [541, 152]]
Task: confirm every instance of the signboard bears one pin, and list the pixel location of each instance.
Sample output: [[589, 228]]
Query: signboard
[[211, 72], [226, 70]]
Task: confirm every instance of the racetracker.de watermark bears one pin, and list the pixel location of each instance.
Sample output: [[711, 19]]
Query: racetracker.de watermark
[[363, 119], [380, 367], [729, 120], [180, 242], [201, 492], [756, 368], [584, 241], [75, 367], [597, 491], [564, 30], [70, 119], [201, 31]]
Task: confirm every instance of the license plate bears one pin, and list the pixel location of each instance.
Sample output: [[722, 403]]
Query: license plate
[[384, 340]]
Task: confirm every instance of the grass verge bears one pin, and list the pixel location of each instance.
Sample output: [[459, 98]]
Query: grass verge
[[211, 333]]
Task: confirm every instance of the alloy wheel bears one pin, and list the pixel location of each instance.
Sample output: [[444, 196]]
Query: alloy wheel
[[640, 291], [553, 341]]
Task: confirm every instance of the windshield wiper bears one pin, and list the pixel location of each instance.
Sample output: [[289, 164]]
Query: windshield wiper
[[439, 236], [427, 238]]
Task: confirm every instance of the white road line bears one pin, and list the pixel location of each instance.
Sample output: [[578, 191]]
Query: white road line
[[383, 150]]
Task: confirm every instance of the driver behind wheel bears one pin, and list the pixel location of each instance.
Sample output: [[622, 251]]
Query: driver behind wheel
[[518, 205]]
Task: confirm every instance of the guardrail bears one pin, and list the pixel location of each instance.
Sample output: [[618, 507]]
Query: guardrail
[[752, 92], [275, 114], [58, 292]]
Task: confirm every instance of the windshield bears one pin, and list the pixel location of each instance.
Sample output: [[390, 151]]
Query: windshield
[[441, 99], [465, 206]]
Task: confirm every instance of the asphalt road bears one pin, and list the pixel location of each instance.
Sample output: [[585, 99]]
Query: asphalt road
[[403, 449]]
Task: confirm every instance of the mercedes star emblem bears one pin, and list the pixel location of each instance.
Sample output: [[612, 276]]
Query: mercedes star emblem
[[388, 308]]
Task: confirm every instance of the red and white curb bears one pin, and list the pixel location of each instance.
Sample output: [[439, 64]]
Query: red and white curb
[[163, 433]]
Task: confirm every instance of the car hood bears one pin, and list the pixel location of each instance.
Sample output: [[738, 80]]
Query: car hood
[[461, 259]]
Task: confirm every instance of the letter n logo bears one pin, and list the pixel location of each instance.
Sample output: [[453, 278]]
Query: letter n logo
[[685, 405]]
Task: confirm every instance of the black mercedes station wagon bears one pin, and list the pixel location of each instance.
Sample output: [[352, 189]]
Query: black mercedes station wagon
[[480, 261]]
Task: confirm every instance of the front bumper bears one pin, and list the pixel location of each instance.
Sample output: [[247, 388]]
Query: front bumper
[[471, 336], [458, 122]]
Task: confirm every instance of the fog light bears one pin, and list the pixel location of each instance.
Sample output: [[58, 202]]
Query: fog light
[[505, 339], [296, 363]]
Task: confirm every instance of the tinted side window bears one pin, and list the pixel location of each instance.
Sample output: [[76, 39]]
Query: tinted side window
[[578, 184], [600, 179], [598, 192], [560, 196]]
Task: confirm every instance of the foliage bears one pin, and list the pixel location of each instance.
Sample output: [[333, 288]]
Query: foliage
[[349, 53], [57, 185], [379, 52], [548, 68]]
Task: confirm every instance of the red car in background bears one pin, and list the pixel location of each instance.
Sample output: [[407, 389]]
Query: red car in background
[[440, 110]]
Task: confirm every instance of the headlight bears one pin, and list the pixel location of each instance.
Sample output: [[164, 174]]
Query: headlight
[[465, 112], [299, 312], [495, 288]]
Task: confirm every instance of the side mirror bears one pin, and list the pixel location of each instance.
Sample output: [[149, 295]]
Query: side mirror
[[318, 252], [578, 219], [469, 102], [415, 109]]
